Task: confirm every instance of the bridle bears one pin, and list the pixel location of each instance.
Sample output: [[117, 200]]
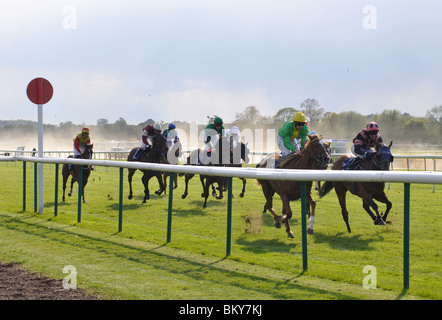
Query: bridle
[[319, 159], [385, 156]]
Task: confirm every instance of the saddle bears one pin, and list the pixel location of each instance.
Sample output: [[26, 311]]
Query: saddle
[[282, 162], [352, 164]]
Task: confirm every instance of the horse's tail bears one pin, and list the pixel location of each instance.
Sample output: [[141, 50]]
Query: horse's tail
[[326, 188]]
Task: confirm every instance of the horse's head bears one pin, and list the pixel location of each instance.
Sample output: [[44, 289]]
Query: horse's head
[[159, 147], [317, 149], [87, 154], [383, 156]]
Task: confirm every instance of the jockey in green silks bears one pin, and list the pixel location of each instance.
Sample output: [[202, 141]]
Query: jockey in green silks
[[289, 132]]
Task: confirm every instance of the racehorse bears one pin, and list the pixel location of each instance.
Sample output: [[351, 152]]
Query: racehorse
[[218, 158], [313, 156], [173, 155], [242, 151], [153, 156], [87, 154], [366, 190]]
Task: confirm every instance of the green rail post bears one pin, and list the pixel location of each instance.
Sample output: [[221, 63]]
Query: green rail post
[[120, 204], [304, 226], [229, 217], [35, 187], [169, 213], [80, 189], [56, 191], [24, 186], [406, 235]]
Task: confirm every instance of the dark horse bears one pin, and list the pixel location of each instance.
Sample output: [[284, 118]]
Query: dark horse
[[365, 190], [222, 159], [313, 156], [153, 156], [87, 154]]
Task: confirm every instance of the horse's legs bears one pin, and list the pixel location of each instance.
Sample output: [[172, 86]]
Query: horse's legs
[[175, 180], [129, 178], [72, 186], [202, 178], [268, 194], [187, 178], [145, 181], [341, 193], [382, 197], [286, 215], [205, 193], [241, 195], [221, 188], [65, 179], [161, 184], [312, 203], [83, 186], [369, 202]]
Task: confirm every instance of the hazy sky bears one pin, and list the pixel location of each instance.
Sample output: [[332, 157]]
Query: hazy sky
[[183, 60]]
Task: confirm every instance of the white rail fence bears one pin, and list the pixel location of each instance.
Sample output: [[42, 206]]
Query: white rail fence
[[414, 162]]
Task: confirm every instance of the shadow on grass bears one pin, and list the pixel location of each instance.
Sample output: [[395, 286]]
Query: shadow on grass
[[172, 262], [345, 241]]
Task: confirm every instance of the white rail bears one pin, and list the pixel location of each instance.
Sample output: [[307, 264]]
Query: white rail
[[427, 177]]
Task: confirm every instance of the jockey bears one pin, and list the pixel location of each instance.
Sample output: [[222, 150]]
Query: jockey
[[366, 140], [290, 132], [171, 135], [233, 137], [213, 130], [80, 141], [147, 136]]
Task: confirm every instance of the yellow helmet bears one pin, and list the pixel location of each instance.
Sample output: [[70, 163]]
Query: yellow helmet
[[85, 130], [299, 117]]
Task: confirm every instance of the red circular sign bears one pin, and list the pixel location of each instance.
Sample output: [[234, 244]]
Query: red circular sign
[[39, 91]]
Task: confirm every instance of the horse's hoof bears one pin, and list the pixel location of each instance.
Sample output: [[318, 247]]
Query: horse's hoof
[[184, 196], [241, 195], [129, 197], [310, 231], [290, 234], [379, 222], [278, 225]]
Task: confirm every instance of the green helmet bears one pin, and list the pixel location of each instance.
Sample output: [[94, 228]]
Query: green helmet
[[218, 120]]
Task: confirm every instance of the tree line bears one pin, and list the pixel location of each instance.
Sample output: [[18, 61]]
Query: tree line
[[395, 125]]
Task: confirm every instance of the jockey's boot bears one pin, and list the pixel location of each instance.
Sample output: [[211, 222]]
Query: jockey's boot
[[138, 154]]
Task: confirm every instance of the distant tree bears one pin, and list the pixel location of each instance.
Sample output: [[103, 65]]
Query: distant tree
[[285, 114], [391, 123], [250, 116], [312, 110], [416, 130], [435, 113], [102, 122]]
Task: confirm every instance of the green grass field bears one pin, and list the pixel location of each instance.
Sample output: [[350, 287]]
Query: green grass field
[[137, 263]]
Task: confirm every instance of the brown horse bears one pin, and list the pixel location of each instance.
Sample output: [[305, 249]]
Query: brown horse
[[313, 156], [87, 154], [366, 190], [154, 156]]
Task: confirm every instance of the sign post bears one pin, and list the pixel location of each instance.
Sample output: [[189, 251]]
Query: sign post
[[40, 92]]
